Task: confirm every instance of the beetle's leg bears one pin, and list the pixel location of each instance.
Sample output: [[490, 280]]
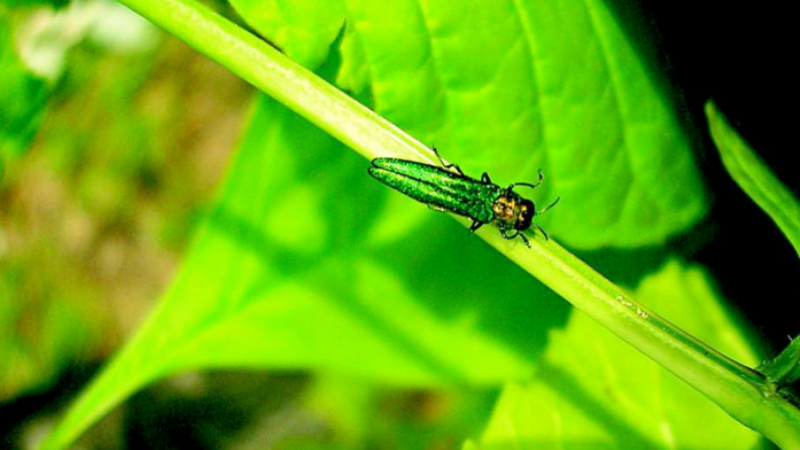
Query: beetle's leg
[[436, 207], [446, 164], [516, 233], [546, 208], [475, 225], [542, 211], [539, 178], [530, 185], [546, 237], [485, 178]]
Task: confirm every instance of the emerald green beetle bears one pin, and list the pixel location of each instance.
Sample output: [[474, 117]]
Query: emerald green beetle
[[447, 188]]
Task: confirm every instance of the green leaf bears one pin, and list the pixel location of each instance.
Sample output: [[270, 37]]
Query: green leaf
[[354, 73], [509, 87], [754, 177], [23, 98], [591, 390], [304, 30], [56, 4], [784, 369], [283, 275], [772, 196]]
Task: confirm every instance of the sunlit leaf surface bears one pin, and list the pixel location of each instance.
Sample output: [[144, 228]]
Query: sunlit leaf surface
[[591, 390], [284, 275], [512, 86]]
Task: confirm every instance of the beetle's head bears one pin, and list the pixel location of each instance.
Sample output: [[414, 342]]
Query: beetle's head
[[525, 215]]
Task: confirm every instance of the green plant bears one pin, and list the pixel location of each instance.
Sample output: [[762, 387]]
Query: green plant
[[264, 306]]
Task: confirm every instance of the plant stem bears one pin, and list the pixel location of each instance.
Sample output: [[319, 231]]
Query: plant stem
[[744, 393], [266, 68], [784, 369], [766, 190]]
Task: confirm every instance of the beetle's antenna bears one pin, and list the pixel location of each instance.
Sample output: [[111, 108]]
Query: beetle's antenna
[[547, 208]]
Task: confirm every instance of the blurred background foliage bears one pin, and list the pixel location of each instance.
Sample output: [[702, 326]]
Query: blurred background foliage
[[114, 139]]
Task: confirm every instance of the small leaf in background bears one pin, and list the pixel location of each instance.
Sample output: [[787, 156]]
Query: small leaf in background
[[754, 177], [592, 390], [283, 276], [57, 4], [32, 59], [46, 36], [23, 98], [509, 87]]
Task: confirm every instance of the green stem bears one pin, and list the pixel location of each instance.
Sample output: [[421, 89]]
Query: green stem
[[766, 190], [784, 369], [744, 393], [270, 71]]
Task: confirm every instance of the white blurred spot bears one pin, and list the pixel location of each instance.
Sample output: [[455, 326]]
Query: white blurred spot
[[45, 37]]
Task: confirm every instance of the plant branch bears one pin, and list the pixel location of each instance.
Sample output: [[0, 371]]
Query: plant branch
[[774, 198], [784, 369], [266, 68], [744, 393]]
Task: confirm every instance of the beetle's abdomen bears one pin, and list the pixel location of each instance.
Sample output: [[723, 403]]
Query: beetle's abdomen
[[438, 187]]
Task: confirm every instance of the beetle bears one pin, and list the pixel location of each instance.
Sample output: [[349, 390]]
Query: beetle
[[447, 188]]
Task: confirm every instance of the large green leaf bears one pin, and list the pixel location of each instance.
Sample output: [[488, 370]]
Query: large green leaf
[[299, 267], [592, 390], [511, 86]]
